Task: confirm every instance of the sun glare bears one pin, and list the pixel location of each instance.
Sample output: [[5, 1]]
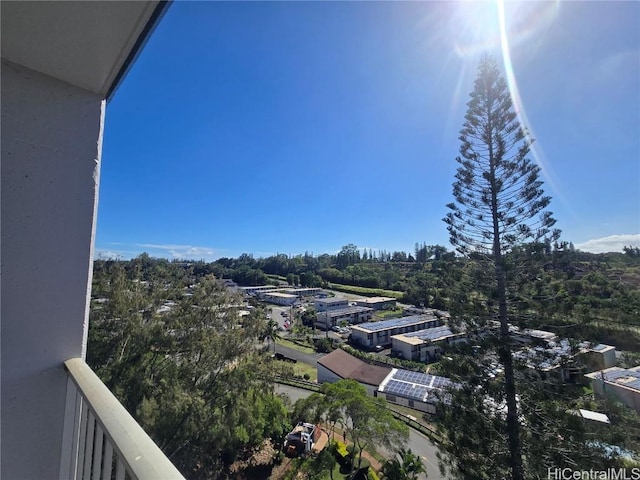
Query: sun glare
[[500, 27]]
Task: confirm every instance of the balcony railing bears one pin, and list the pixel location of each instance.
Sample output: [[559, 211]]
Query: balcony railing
[[102, 440]]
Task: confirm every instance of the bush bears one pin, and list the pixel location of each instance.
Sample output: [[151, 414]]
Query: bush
[[322, 345], [342, 454]]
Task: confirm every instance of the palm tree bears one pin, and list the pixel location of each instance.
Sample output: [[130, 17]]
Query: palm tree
[[272, 332], [408, 467]]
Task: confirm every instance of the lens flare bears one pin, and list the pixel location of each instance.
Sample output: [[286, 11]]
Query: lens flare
[[524, 29]]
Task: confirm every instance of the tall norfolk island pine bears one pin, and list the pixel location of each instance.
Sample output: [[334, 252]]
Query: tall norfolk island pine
[[499, 204]]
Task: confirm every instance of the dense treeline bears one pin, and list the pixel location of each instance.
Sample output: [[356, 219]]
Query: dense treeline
[[175, 348], [577, 294]]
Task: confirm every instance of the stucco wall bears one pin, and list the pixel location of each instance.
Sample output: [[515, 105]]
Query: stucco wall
[[51, 143]]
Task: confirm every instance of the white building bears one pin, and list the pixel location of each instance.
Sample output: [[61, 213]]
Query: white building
[[424, 345], [415, 390], [279, 298], [332, 303], [61, 63], [412, 389], [351, 315], [620, 383], [255, 290], [371, 334], [302, 292], [377, 303]]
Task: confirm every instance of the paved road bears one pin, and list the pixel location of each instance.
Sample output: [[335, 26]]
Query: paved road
[[308, 358], [418, 443]]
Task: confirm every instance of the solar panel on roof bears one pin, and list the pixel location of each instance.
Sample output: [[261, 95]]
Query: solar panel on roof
[[414, 377], [404, 389], [430, 333], [394, 322]]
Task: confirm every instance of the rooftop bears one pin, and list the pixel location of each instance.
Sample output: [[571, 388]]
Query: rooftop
[[415, 385], [345, 311], [426, 335], [624, 377], [375, 299], [347, 366], [395, 322], [331, 300]]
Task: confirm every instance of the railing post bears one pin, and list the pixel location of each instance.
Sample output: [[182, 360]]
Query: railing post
[[70, 433]]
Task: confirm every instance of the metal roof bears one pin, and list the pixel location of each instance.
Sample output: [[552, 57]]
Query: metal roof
[[430, 333], [396, 322]]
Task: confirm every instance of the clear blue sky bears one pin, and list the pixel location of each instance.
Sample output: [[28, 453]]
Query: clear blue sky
[[281, 127]]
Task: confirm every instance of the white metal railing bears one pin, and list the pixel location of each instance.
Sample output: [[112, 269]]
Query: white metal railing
[[102, 440]]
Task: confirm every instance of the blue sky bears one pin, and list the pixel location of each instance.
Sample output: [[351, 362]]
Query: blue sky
[[282, 127]]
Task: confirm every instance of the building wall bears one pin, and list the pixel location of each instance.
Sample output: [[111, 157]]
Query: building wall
[[279, 300], [415, 404], [323, 307], [51, 145], [379, 305], [323, 318], [626, 395], [326, 376], [383, 337]]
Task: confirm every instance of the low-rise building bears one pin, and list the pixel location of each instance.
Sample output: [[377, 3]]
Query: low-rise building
[[600, 357], [301, 292], [416, 390], [377, 303], [351, 315], [340, 365], [279, 298], [620, 383], [332, 303], [424, 345], [372, 334], [254, 290], [420, 391]]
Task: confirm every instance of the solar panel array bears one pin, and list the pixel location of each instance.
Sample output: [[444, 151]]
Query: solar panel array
[[430, 333], [413, 377], [623, 377], [407, 390], [395, 322]]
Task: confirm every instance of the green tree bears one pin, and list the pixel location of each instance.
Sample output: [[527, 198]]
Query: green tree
[[191, 375], [272, 332], [366, 420], [407, 467], [499, 205]]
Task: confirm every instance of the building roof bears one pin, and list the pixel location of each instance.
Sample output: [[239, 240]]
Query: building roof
[[624, 377], [428, 334], [375, 300], [595, 416], [331, 300], [344, 311], [394, 322], [279, 295], [414, 385], [347, 366], [601, 348]]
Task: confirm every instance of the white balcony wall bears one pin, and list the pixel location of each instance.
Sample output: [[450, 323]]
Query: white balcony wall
[[51, 143]]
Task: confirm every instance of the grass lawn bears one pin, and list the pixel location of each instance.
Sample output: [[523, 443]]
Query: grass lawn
[[382, 314], [302, 368]]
